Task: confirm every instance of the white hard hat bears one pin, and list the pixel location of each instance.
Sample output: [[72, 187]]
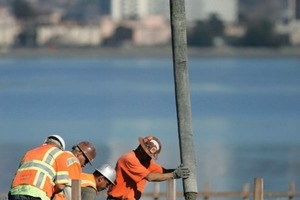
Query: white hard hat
[[59, 139], [108, 172]]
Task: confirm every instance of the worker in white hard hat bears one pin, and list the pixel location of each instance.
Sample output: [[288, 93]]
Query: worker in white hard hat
[[135, 168], [82, 153], [101, 179], [42, 172]]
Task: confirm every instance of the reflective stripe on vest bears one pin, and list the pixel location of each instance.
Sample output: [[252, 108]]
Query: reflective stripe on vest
[[29, 189], [44, 168], [62, 175], [51, 155], [71, 161]]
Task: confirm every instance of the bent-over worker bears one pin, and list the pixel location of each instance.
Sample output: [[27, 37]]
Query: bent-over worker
[[137, 167]]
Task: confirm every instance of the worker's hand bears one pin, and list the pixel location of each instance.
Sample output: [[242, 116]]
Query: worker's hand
[[181, 172]]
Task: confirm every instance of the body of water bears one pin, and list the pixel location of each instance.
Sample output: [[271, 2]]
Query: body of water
[[245, 113]]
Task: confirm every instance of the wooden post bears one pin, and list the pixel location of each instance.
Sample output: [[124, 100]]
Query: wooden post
[[292, 191], [182, 90], [258, 189], [246, 189], [206, 189], [156, 191], [171, 190], [76, 190]]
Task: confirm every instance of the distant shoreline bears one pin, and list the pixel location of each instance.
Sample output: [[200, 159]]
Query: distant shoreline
[[148, 52]]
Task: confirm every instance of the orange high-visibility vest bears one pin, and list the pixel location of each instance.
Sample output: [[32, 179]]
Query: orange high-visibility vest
[[74, 169], [42, 167], [88, 180]]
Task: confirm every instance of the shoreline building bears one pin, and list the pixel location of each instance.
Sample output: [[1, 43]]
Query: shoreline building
[[294, 9], [227, 10], [292, 25], [149, 18], [129, 9], [9, 28]]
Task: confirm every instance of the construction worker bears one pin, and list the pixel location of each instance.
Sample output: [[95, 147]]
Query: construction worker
[[101, 179], [81, 154], [137, 167], [42, 172]]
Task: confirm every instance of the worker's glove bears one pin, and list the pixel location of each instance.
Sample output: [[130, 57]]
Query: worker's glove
[[181, 172]]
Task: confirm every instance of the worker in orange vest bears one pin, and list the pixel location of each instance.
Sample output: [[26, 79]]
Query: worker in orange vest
[[135, 168], [81, 154], [42, 172], [101, 179]]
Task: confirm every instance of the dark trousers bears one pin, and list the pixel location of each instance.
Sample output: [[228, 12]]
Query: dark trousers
[[22, 197]]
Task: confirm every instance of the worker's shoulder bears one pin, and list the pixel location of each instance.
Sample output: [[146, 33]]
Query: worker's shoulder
[[68, 154], [84, 175], [129, 158]]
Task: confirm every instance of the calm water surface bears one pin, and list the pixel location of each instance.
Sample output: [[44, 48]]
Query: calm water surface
[[245, 111]]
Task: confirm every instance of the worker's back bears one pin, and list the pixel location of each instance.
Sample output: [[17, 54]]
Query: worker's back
[[39, 171]]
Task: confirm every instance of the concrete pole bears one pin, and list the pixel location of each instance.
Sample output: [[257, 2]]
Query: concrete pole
[[179, 47]]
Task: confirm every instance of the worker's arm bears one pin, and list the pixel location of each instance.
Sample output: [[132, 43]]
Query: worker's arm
[[180, 172], [68, 192], [152, 177]]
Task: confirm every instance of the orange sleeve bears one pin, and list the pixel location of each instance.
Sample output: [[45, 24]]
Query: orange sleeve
[[73, 165], [132, 166], [62, 170], [74, 168], [154, 167], [75, 171]]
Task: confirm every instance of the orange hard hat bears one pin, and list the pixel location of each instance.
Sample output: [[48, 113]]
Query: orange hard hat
[[88, 150], [151, 146]]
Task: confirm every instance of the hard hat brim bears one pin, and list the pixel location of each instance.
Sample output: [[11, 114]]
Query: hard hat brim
[[142, 143], [89, 161], [104, 174]]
